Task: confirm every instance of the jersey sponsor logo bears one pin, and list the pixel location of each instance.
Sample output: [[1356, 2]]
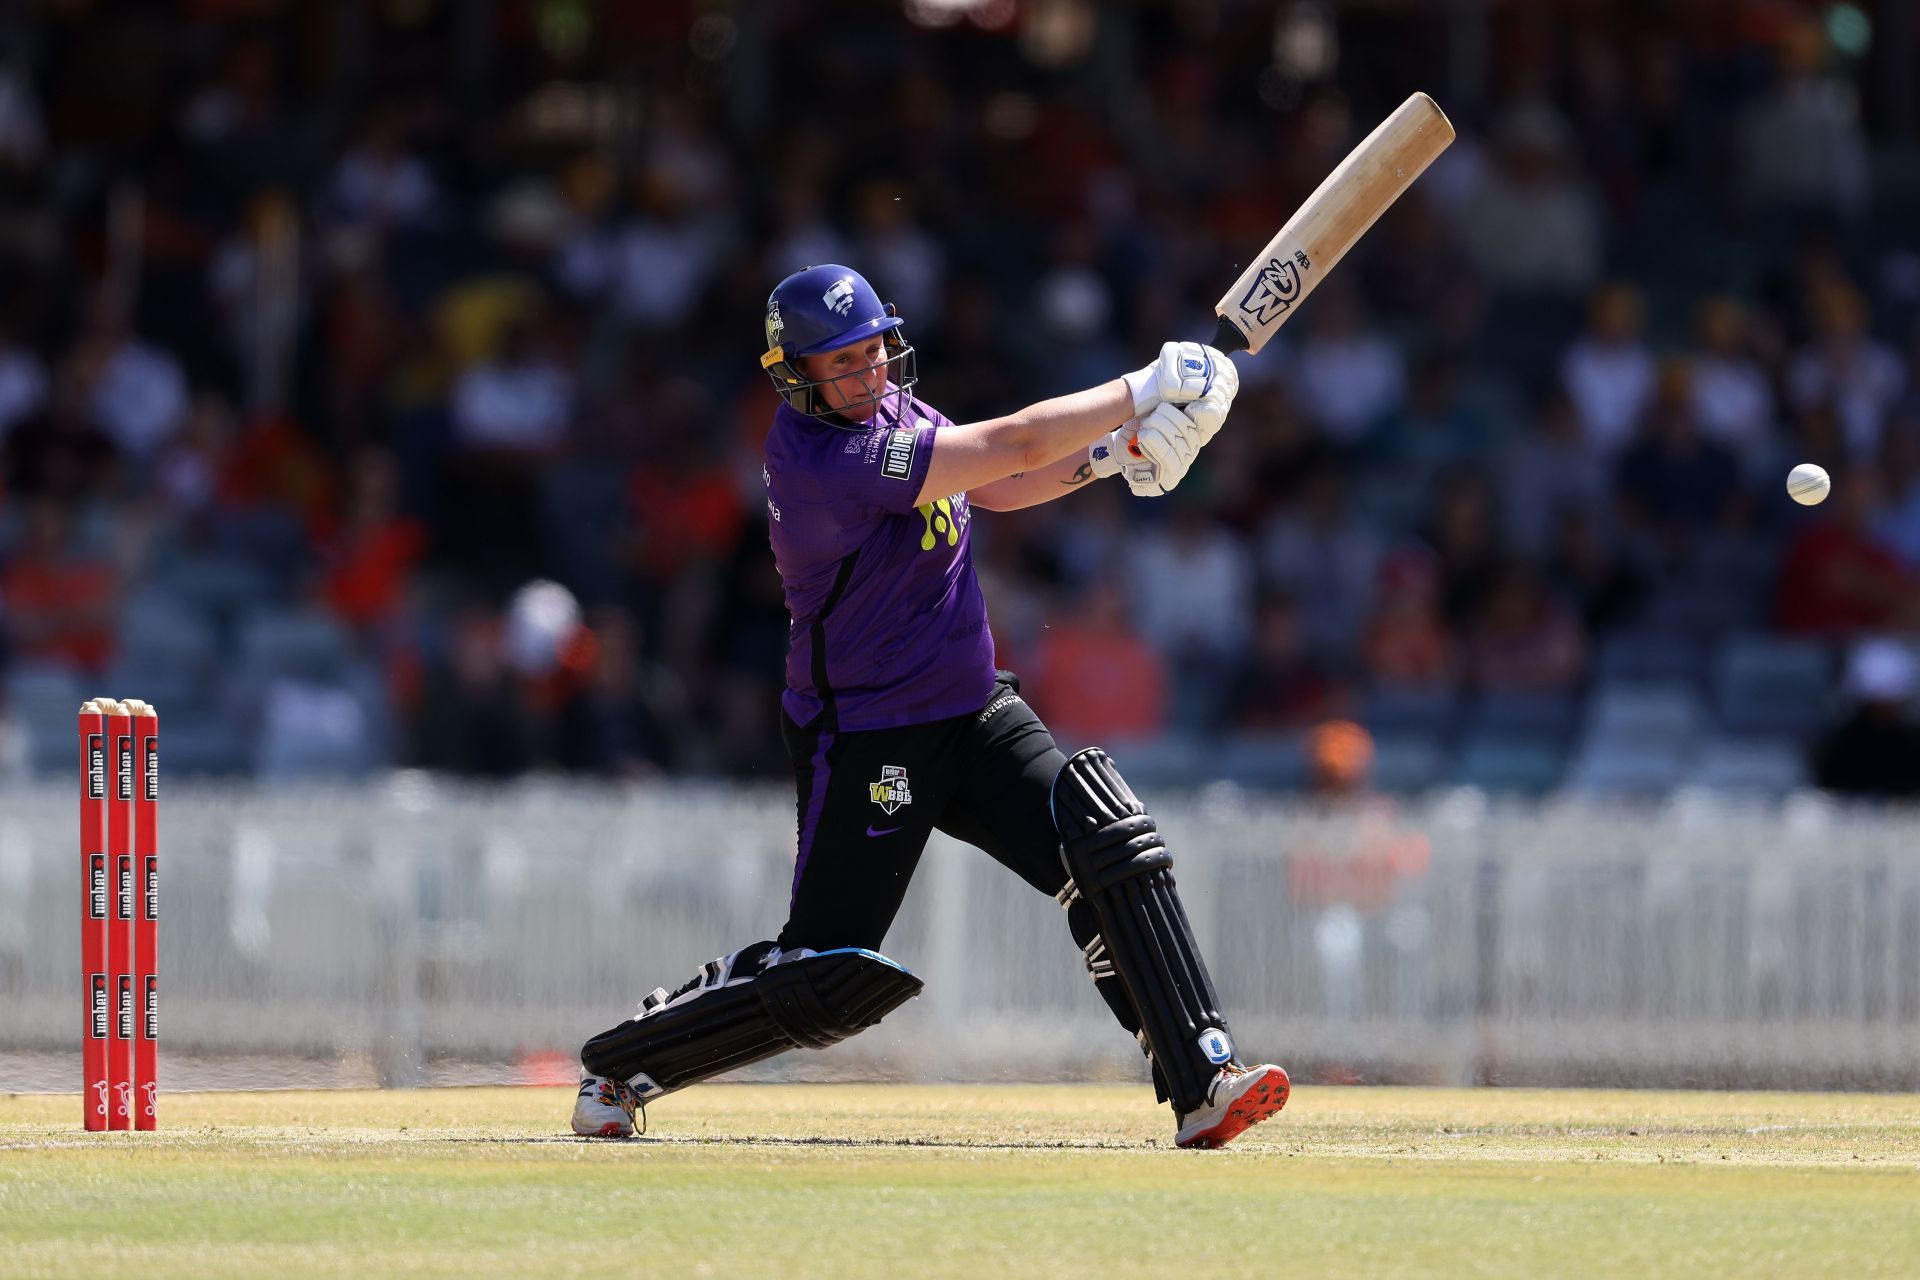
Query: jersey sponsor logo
[[1275, 289], [897, 460], [892, 790], [946, 519], [839, 296]]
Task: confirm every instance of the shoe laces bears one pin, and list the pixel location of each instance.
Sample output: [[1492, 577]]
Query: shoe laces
[[624, 1097]]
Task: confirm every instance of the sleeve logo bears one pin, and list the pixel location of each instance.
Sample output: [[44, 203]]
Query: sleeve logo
[[897, 461]]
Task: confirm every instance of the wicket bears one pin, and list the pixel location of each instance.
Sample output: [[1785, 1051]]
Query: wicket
[[120, 912]]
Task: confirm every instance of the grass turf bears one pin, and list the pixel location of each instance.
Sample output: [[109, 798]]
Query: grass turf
[[844, 1180]]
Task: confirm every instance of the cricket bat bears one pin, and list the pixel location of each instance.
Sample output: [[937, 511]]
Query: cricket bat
[[1320, 232]]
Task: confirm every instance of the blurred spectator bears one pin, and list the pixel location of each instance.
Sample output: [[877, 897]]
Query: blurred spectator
[[1899, 523], [898, 256], [192, 472], [1523, 641], [23, 133], [1839, 577], [471, 719], [1551, 471], [134, 391], [519, 401], [1604, 584], [803, 236], [1461, 535], [1193, 585], [1280, 684], [653, 268], [1800, 146], [1407, 644], [618, 730], [370, 559], [1339, 759], [1875, 750], [1093, 677], [1843, 365], [57, 600], [23, 383], [1608, 372], [1318, 553], [1348, 376], [1671, 482], [1437, 428], [380, 185], [1728, 392], [1531, 226]]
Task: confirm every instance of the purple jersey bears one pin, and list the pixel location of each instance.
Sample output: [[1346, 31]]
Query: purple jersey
[[888, 625]]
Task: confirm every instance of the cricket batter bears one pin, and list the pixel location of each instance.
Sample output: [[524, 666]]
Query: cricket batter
[[898, 723]]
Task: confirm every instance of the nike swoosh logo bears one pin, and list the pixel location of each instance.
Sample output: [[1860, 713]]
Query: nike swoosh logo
[[889, 831]]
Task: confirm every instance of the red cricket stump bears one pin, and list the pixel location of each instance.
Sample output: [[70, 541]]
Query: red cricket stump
[[146, 918], [95, 1088], [120, 921]]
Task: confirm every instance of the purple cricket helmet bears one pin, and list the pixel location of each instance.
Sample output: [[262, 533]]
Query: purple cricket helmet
[[822, 309]]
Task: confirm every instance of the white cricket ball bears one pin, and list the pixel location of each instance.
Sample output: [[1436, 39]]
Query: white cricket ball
[[1807, 484]]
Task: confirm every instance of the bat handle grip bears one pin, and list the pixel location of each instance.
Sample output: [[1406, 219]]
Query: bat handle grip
[[1227, 337]]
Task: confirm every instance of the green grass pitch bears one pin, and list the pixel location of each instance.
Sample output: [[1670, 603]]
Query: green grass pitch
[[968, 1180]]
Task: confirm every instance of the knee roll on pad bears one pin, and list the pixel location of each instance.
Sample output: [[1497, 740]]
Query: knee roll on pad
[[741, 1009], [1119, 865]]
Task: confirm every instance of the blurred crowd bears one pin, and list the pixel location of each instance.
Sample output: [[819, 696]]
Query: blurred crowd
[[379, 385]]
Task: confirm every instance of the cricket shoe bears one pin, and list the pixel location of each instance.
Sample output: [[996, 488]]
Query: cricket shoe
[[1239, 1098], [605, 1108]]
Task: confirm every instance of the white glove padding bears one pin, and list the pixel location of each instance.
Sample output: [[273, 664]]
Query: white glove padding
[[1209, 412], [1163, 447], [1185, 371]]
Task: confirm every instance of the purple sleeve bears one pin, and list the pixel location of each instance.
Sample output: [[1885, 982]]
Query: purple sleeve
[[885, 467]]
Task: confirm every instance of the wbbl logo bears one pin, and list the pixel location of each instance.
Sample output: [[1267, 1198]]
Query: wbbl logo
[[892, 790], [1275, 289], [96, 886], [97, 1006]]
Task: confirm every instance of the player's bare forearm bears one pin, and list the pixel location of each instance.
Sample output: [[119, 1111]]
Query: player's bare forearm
[[969, 457], [1031, 488]]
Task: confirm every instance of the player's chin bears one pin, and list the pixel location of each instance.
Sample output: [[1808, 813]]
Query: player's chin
[[863, 411]]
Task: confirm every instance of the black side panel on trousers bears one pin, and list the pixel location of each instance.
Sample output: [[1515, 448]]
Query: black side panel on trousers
[[1120, 866], [809, 1003]]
